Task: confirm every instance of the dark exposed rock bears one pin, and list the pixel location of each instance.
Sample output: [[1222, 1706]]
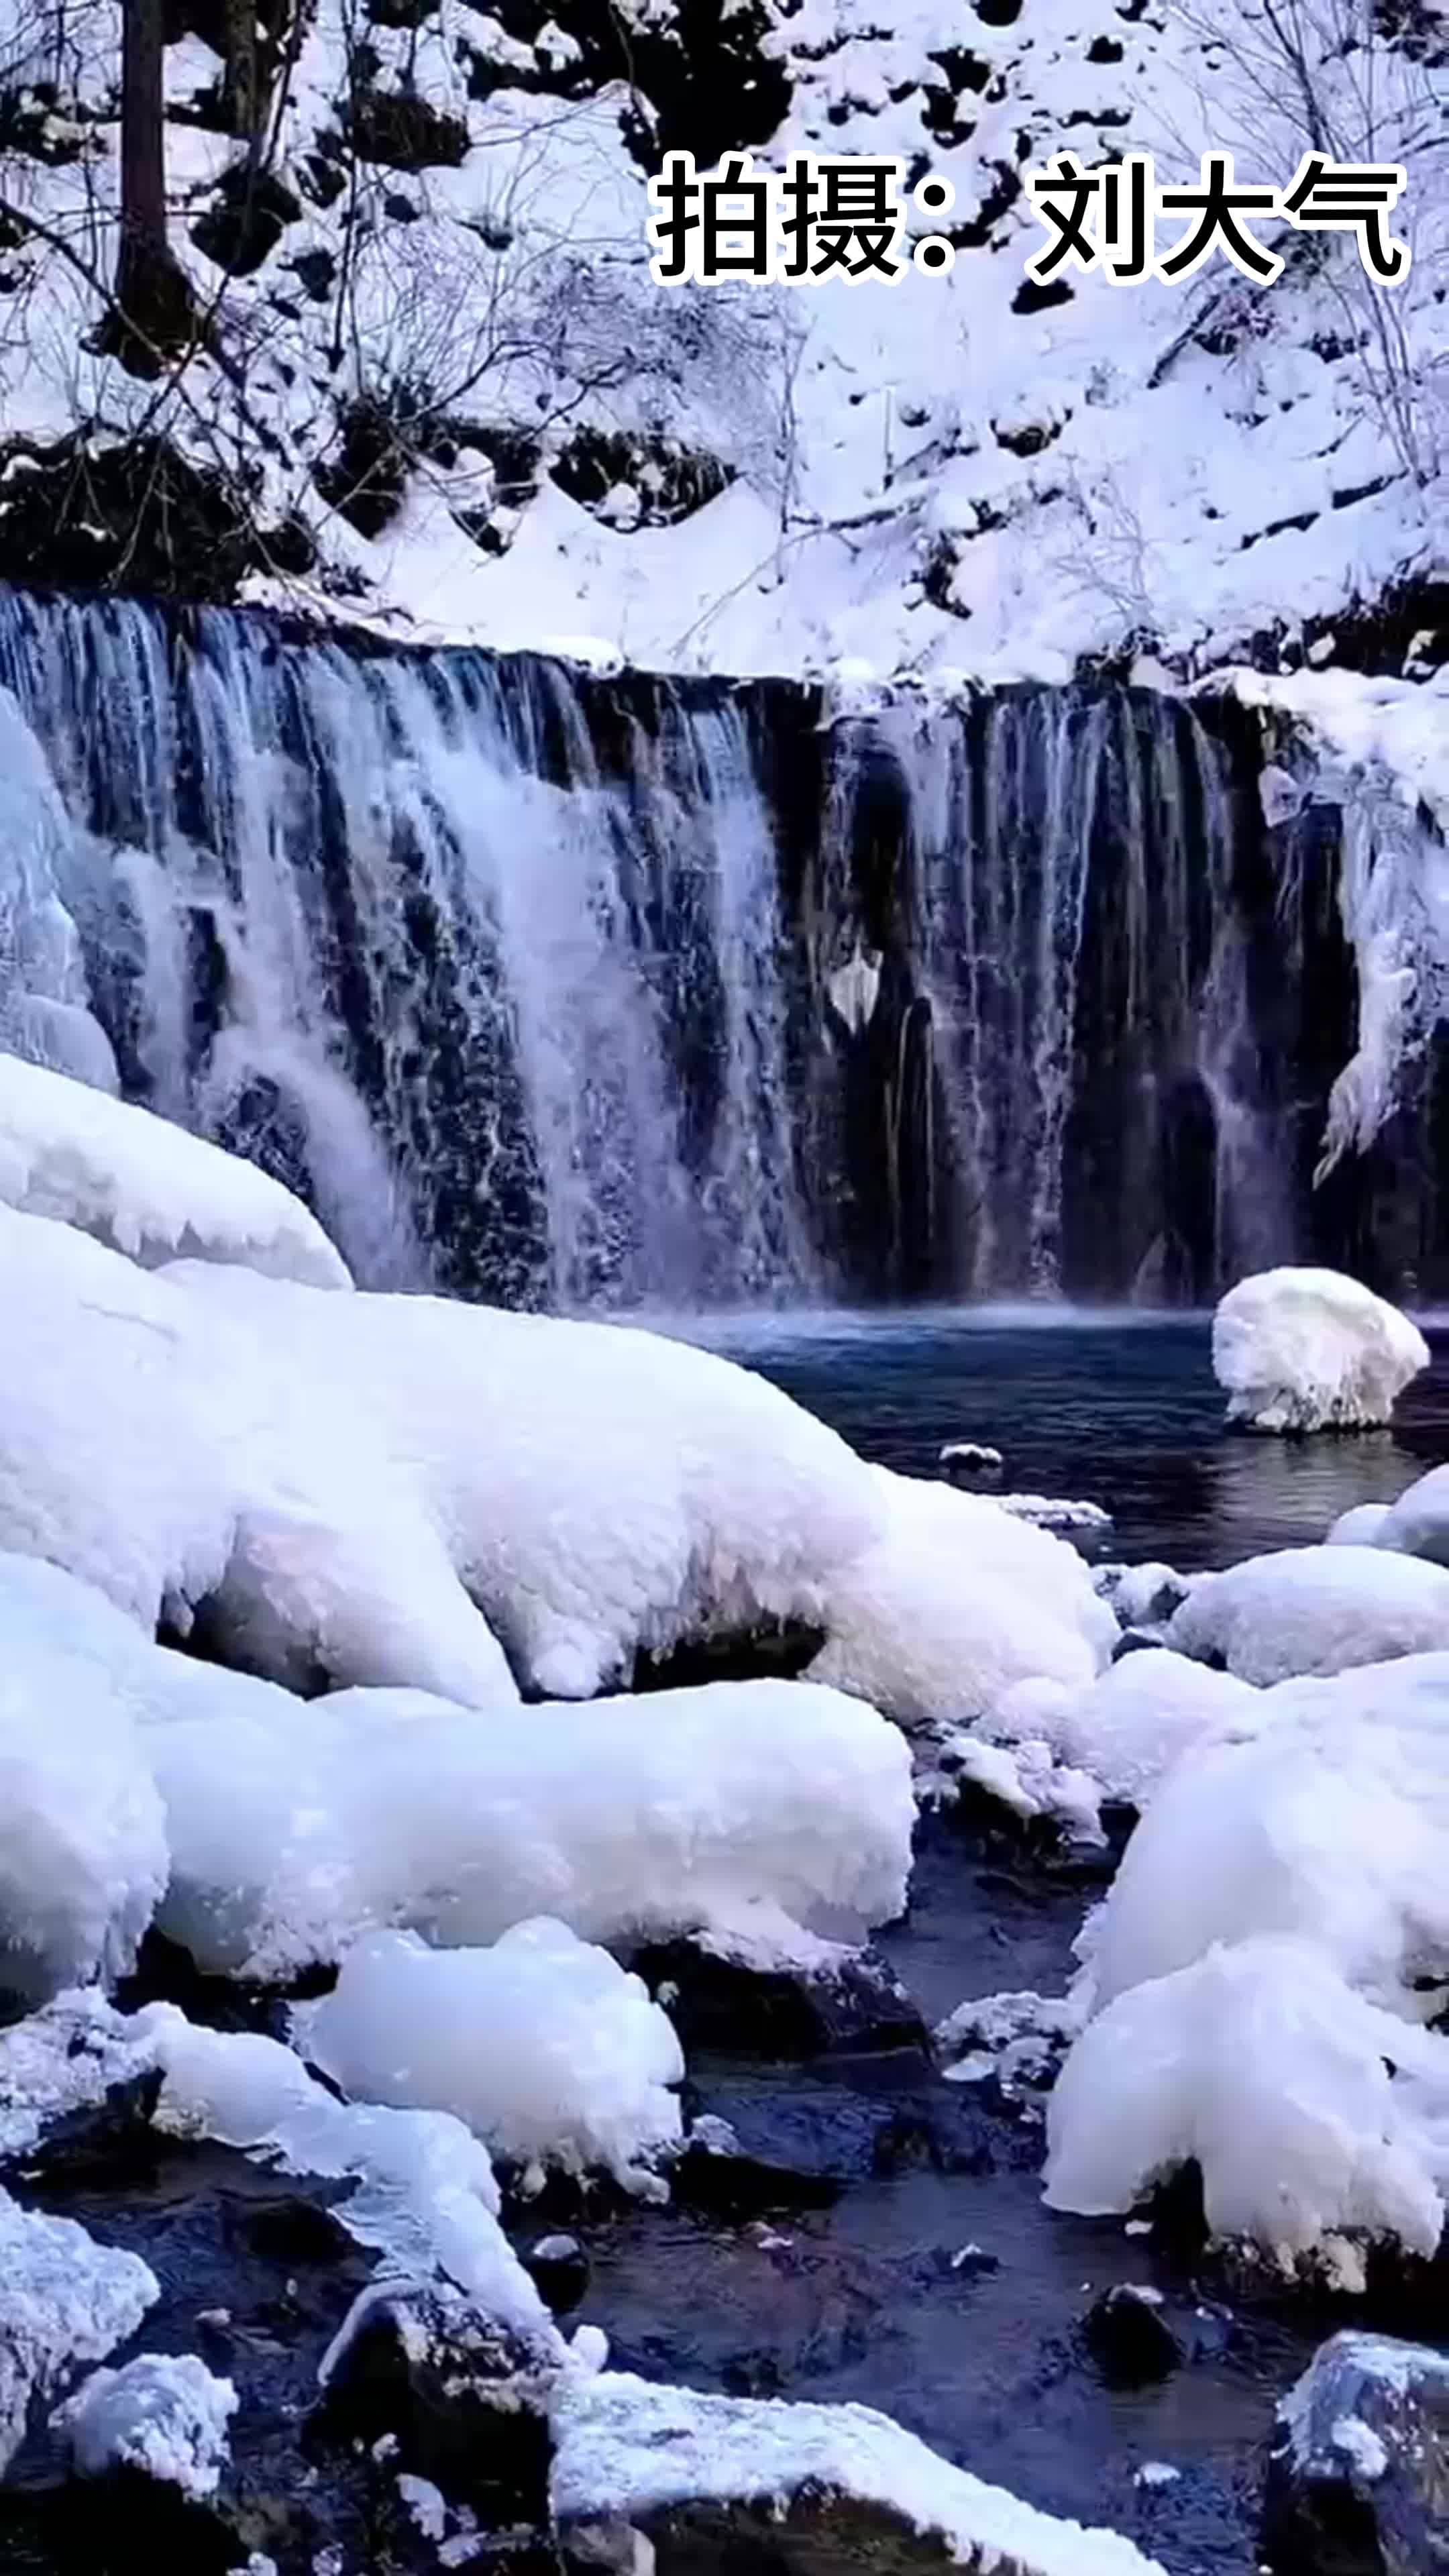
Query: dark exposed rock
[[561, 2268], [247, 219], [1358, 2474], [1130, 2338], [463, 2398], [851, 2002], [403, 131]]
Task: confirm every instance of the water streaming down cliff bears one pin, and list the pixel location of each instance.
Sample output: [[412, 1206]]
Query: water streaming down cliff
[[588, 991]]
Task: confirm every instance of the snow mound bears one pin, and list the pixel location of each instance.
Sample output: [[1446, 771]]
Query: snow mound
[[164, 2414], [146, 1188], [1313, 1610], [1311, 2112], [1359, 1526], [166, 1454], [956, 1602], [1310, 1350], [292, 1832], [83, 1854], [67, 2300], [606, 1491], [627, 2451], [1418, 1523], [328, 1490], [543, 2045]]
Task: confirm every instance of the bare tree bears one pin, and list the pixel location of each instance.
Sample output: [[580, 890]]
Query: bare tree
[[151, 291], [242, 93]]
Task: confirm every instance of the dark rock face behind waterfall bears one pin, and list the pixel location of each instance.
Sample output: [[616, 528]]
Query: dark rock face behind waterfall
[[554, 987]]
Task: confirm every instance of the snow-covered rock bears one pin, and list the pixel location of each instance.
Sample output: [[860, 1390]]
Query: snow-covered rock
[[291, 1833], [1359, 1526], [1260, 1969], [146, 1187], [1312, 2114], [66, 2300], [424, 2195], [605, 1491], [1418, 1523], [955, 1602], [1321, 1812], [1128, 1727], [542, 2044], [703, 2477], [1311, 1350], [1359, 2468], [165, 2414], [83, 1852], [174, 1458], [1313, 1610]]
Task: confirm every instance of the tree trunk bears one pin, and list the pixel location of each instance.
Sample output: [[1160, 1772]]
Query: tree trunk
[[151, 288], [242, 94]]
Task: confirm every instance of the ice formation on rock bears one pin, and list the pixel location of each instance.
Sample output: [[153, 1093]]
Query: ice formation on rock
[[1311, 1350]]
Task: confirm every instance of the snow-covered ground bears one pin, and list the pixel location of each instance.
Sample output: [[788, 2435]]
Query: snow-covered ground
[[946, 473]]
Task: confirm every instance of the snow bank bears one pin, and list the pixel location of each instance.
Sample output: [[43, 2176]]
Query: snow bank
[[605, 1491], [1313, 1610], [292, 1832], [171, 1457], [1309, 2111], [148, 1189], [957, 1601], [83, 1855], [164, 2414], [66, 2300], [374, 1489], [1309, 1350], [542, 2044], [627, 2451]]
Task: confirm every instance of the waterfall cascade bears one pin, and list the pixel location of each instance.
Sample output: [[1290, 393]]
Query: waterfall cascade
[[554, 988]]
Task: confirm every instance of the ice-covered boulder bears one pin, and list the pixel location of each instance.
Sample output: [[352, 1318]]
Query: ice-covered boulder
[[188, 1468], [1418, 1523], [1311, 1350], [1313, 1610], [83, 1852], [1322, 1812], [1128, 1727], [164, 2414], [1260, 1969], [548, 2050], [955, 1602], [147, 1188], [1358, 2477], [1359, 1526], [718, 2482], [329, 1489], [65, 2301], [293, 1832], [1312, 2114]]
